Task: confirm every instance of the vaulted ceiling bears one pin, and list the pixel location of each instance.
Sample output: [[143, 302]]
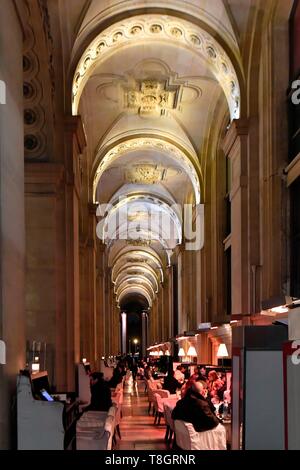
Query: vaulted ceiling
[[147, 78]]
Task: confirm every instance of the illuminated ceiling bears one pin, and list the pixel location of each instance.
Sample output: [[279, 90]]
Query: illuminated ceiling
[[147, 88]]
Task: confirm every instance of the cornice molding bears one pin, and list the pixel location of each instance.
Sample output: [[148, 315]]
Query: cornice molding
[[74, 125], [239, 127]]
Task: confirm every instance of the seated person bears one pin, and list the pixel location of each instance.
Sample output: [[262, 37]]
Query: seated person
[[201, 370], [148, 373], [100, 394], [170, 383], [187, 385], [194, 408], [215, 385], [117, 377], [179, 374], [155, 374], [218, 404]]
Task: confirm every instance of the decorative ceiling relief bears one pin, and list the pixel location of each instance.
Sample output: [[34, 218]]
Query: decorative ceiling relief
[[164, 29], [151, 97], [149, 174], [144, 174], [39, 82], [149, 143]]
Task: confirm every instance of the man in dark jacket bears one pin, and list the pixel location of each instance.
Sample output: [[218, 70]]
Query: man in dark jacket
[[100, 394], [170, 383], [194, 408]]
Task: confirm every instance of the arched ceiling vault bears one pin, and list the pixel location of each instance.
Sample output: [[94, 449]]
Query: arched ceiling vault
[[186, 160], [147, 84], [135, 289], [165, 29], [137, 271], [133, 281]]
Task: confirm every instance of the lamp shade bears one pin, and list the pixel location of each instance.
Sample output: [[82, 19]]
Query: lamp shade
[[181, 352], [35, 367], [192, 351], [222, 351], [167, 353]]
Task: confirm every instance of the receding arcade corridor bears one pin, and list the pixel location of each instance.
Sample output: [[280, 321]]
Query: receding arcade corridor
[[149, 223], [137, 427]]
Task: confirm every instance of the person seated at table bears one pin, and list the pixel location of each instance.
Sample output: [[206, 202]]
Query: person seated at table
[[117, 377], [201, 371], [100, 394], [187, 385], [179, 374], [170, 383], [218, 404], [148, 373], [194, 408], [155, 374], [215, 385]]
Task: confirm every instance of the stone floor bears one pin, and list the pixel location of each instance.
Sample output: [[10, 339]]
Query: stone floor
[[138, 431]]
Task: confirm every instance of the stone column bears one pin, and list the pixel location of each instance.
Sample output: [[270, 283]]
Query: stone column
[[12, 232], [46, 265], [144, 333], [124, 332], [75, 143], [235, 148], [100, 300], [88, 315]]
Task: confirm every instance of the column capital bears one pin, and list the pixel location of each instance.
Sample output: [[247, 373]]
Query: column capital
[[92, 208], [74, 125], [238, 127]]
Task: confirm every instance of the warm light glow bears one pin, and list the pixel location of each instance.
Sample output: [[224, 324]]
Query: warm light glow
[[233, 321], [192, 351], [214, 328], [281, 309], [222, 351], [83, 360], [135, 341], [167, 353], [102, 358], [35, 367], [36, 358], [160, 353], [122, 34], [181, 352]]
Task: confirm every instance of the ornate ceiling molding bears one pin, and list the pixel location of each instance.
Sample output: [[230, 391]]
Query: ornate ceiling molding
[[143, 271], [142, 267], [136, 257], [38, 82], [182, 158], [136, 281], [152, 206], [159, 28]]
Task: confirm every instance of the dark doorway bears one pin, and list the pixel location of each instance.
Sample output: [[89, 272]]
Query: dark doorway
[[134, 308]]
